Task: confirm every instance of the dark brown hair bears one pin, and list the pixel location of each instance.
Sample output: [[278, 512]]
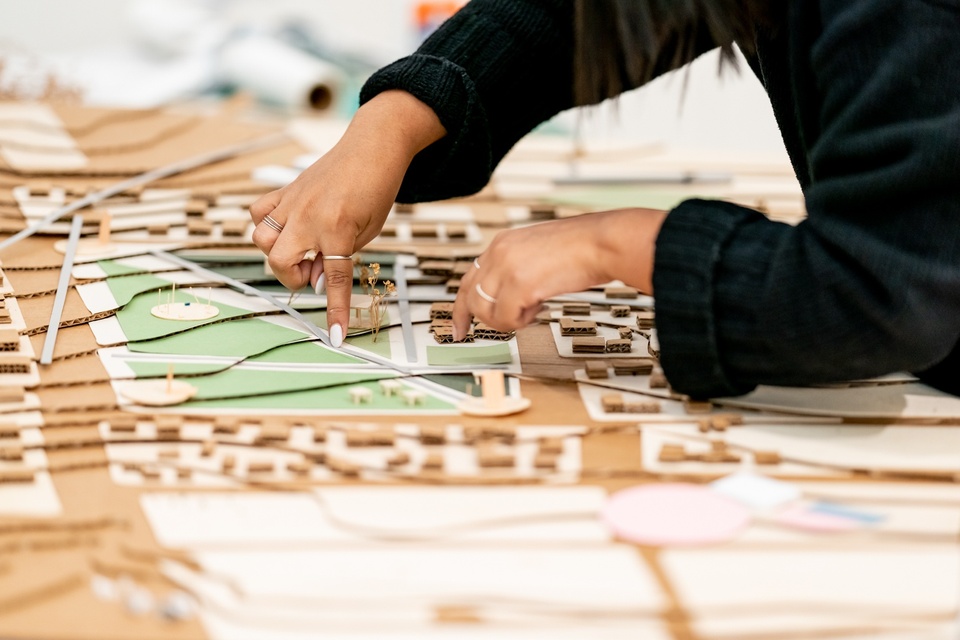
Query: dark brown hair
[[622, 44]]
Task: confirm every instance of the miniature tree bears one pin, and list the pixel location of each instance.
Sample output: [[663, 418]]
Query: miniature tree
[[372, 275], [364, 275], [377, 296]]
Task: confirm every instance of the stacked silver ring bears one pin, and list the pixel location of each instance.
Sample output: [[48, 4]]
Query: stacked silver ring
[[273, 224]]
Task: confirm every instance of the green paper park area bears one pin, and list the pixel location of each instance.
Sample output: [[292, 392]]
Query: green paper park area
[[257, 341], [278, 390]]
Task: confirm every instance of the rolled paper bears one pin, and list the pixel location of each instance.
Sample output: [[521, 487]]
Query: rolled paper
[[278, 73]]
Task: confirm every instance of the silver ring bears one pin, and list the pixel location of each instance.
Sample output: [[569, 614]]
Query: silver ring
[[476, 262], [273, 224], [483, 294], [338, 257]]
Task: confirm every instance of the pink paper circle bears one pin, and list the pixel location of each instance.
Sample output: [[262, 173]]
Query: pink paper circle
[[674, 515]]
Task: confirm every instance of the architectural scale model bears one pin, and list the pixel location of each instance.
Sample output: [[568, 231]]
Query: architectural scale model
[[197, 462]]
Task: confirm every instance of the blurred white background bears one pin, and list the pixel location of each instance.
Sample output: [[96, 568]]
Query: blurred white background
[[112, 47]]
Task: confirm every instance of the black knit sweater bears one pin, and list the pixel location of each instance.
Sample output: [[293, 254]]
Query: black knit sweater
[[867, 95]]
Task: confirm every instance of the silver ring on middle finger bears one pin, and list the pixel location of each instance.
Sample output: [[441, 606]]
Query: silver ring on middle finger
[[483, 294]]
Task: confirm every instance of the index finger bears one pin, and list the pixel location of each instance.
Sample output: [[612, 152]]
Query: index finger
[[338, 269], [462, 311]]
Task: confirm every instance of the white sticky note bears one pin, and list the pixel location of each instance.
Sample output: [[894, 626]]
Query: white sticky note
[[756, 491]]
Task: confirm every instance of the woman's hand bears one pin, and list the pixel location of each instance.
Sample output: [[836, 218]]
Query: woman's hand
[[525, 267], [340, 203]]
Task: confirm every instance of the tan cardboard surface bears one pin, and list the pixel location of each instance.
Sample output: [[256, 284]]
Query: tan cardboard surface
[[46, 564]]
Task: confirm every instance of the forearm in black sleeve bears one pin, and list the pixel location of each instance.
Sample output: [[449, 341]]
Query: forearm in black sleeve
[[870, 282], [492, 73]]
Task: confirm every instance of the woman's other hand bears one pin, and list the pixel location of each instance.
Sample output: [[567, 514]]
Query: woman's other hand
[[523, 268]]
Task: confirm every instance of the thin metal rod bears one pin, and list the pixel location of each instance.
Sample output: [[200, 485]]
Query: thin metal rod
[[63, 286], [403, 305], [213, 276], [324, 337], [144, 178]]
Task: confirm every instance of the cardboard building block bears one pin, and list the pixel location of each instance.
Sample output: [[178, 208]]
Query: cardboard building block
[[551, 445], [570, 327], [490, 457], [767, 457], [9, 340], [612, 402], [260, 467], [658, 380], [645, 320], [591, 344], [432, 435], [441, 311], [300, 467], [12, 393], [437, 268], [274, 433], [343, 467], [15, 365], [621, 293], [433, 461], [199, 227], [695, 407], [619, 345], [672, 453], [576, 308], [631, 366], [234, 228], [482, 331], [597, 369], [383, 437]]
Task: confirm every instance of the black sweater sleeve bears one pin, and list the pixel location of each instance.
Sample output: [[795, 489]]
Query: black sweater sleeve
[[492, 73], [870, 282]]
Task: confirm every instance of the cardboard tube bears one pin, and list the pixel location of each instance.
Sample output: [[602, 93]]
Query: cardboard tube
[[281, 74]]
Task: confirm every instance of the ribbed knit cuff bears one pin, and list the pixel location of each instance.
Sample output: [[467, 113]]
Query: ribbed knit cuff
[[438, 83], [450, 92], [689, 249]]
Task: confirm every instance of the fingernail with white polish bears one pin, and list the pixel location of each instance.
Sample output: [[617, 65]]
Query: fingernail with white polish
[[321, 284], [336, 336]]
